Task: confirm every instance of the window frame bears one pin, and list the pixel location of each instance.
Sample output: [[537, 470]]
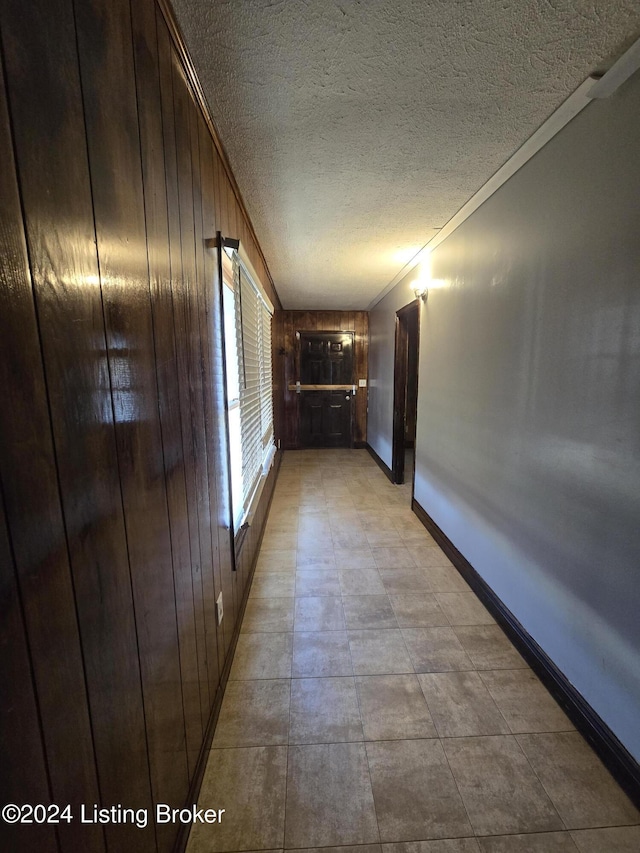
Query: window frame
[[237, 274]]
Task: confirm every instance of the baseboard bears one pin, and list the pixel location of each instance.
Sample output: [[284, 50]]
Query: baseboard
[[360, 445], [201, 764], [382, 465], [611, 751]]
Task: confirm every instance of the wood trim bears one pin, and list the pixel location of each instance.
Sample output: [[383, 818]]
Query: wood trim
[[382, 465], [621, 764], [294, 387], [203, 757], [411, 306], [201, 100]]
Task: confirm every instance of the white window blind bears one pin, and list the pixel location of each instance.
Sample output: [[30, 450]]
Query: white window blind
[[253, 343]]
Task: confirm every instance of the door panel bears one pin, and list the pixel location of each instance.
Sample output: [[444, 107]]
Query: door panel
[[325, 419], [326, 358]]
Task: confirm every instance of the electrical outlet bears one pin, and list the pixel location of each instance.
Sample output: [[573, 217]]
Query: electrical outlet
[[219, 608]]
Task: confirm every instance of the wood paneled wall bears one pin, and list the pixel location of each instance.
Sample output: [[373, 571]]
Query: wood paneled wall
[[286, 324], [114, 503]]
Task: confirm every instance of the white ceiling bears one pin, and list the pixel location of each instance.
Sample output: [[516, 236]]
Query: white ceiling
[[356, 127]]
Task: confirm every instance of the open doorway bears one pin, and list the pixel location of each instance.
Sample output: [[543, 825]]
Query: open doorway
[[405, 395]]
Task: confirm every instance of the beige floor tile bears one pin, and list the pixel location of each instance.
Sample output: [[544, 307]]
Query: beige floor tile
[[368, 502], [254, 713], [368, 611], [581, 788], [311, 561], [537, 842], [305, 509], [619, 839], [262, 656], [346, 524], [393, 558], [435, 650], [464, 608], [525, 702], [329, 799], [418, 610], [415, 537], [460, 705], [311, 546], [268, 615], [279, 541], [428, 555], [344, 539], [401, 581], [273, 585], [489, 647], [319, 654], [500, 790], [414, 792], [446, 579], [250, 785], [317, 582], [319, 613], [283, 523], [357, 557], [447, 845], [384, 539], [359, 581], [324, 710], [315, 528], [276, 561], [393, 708], [379, 652]]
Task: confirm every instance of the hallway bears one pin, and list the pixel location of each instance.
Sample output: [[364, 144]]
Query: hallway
[[373, 699]]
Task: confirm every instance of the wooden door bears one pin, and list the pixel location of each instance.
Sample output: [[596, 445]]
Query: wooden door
[[325, 413], [405, 382]]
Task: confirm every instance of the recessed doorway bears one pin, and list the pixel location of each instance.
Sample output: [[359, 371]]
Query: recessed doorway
[[405, 395]]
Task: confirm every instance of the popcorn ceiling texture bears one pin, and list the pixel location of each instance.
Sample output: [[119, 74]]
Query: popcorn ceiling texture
[[354, 128]]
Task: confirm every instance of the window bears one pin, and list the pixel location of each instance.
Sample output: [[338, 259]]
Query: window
[[247, 330]]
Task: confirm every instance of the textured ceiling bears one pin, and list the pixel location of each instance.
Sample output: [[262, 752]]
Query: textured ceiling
[[356, 127]]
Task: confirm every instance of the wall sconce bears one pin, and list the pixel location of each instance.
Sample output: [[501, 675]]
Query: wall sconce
[[420, 290]]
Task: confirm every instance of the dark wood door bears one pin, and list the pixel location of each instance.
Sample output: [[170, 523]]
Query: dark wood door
[[326, 359]]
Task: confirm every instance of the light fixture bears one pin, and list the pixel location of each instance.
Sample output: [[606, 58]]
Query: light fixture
[[420, 289]]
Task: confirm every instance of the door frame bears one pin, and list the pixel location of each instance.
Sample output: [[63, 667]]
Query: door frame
[[400, 376]]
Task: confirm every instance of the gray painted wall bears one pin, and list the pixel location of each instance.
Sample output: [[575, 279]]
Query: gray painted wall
[[528, 444]]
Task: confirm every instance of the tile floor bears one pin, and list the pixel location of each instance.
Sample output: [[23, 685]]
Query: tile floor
[[375, 705]]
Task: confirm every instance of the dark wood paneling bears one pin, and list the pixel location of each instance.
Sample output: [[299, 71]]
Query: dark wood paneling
[[288, 322], [190, 371], [114, 465], [21, 750], [180, 465], [201, 334], [107, 70], [156, 214], [29, 481]]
